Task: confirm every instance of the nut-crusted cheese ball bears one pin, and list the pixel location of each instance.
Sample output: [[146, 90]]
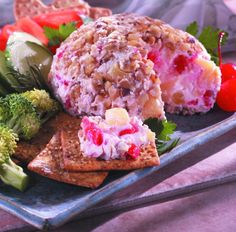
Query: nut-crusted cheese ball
[[117, 61]]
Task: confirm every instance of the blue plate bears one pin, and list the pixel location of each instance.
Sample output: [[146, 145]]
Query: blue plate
[[47, 204]]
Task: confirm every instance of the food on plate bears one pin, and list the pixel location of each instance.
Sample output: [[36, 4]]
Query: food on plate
[[33, 16], [10, 173], [228, 71], [115, 72], [25, 113], [28, 58], [226, 97], [26, 151], [58, 18], [212, 39], [116, 137], [47, 164], [141, 152], [37, 7], [117, 61]]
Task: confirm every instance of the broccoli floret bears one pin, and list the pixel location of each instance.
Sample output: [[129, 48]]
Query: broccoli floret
[[23, 119], [45, 106], [10, 173], [41, 100], [25, 113]]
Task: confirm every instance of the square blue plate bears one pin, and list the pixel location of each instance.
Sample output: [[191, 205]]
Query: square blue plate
[[47, 204]]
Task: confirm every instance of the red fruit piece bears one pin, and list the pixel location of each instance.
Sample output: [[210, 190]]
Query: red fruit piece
[[57, 18], [134, 151], [154, 56], [226, 98], [28, 25], [207, 97], [228, 71], [131, 130], [6, 31], [53, 49], [181, 63], [95, 135], [3, 42], [92, 133]]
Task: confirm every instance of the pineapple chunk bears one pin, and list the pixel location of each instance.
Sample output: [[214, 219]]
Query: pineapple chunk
[[151, 136], [117, 117]]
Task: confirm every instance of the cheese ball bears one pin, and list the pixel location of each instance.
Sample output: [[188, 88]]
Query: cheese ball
[[136, 63]]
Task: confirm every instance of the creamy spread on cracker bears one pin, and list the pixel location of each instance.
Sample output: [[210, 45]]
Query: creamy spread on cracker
[[118, 136]]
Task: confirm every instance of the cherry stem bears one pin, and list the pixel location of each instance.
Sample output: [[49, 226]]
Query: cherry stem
[[220, 38]]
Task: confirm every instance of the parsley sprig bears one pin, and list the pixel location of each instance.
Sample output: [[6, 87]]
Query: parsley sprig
[[163, 129], [209, 37], [56, 36]]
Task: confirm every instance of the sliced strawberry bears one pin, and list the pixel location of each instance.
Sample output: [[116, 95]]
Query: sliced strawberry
[[57, 18], [28, 25]]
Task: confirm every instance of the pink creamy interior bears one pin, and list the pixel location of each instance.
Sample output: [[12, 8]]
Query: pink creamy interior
[[101, 140], [183, 81]]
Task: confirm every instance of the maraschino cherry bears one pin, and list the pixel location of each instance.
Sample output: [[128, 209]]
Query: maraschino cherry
[[226, 98]]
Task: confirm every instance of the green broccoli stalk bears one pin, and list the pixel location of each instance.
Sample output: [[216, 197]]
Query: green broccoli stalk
[[10, 173], [23, 119]]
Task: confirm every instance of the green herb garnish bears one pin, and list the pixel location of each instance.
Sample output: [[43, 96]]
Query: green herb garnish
[[163, 129], [209, 37], [56, 36]]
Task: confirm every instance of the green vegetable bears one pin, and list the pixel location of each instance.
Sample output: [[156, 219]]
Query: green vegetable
[[45, 106], [29, 63], [10, 173], [163, 129], [164, 146], [56, 36], [23, 118], [41, 100], [3, 91], [25, 113], [6, 81], [33, 79], [209, 37]]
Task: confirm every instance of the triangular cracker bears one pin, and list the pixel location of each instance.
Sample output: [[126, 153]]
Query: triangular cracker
[[73, 159], [36, 7], [28, 150], [46, 164]]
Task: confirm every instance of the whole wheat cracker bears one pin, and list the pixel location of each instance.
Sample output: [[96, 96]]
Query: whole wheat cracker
[[32, 8], [74, 160], [28, 150], [47, 164]]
